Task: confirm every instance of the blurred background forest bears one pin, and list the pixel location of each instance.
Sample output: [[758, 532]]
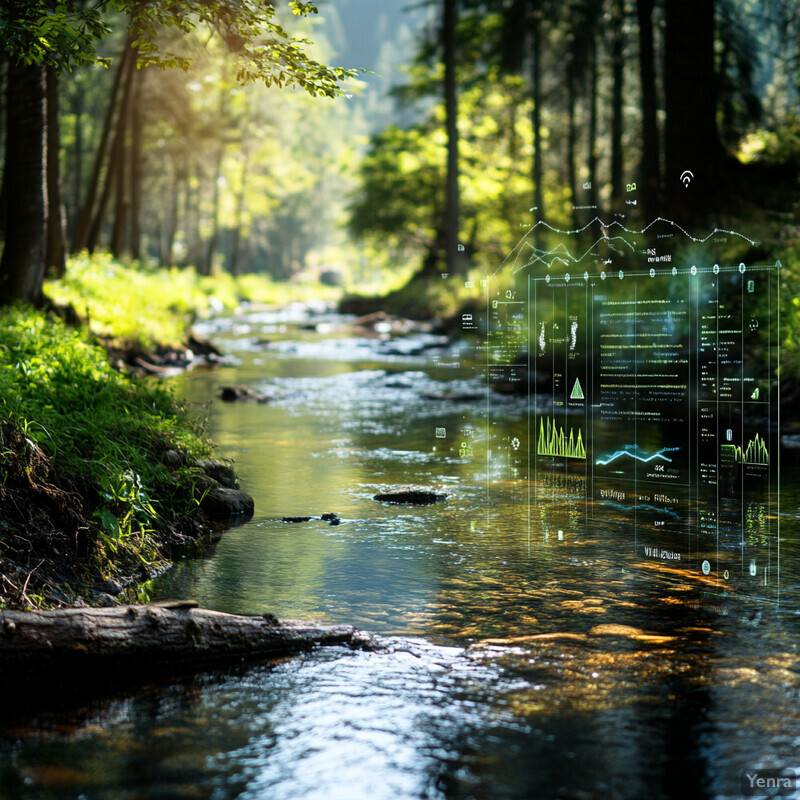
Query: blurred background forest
[[476, 117]]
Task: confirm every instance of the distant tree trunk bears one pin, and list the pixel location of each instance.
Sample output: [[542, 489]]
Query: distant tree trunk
[[118, 174], [168, 246], [691, 140], [56, 251], [206, 267], [191, 215], [22, 265], [3, 130], [87, 215], [137, 123], [650, 170], [617, 77], [572, 142], [451, 214], [77, 163], [536, 113], [116, 165], [233, 267], [592, 132]]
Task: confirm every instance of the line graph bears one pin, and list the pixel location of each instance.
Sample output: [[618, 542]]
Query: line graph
[[634, 456], [562, 255]]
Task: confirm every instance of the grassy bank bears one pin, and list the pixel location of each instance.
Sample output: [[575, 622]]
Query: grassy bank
[[137, 306], [101, 473], [86, 497]]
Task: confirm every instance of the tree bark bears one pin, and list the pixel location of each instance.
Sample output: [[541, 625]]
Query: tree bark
[[233, 267], [536, 115], [56, 250], [23, 262], [207, 267], [137, 124], [572, 141], [87, 213], [147, 639], [77, 164], [592, 132], [451, 214], [115, 174], [618, 78]]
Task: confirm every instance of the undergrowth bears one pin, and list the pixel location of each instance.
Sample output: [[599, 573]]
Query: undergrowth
[[89, 440], [136, 305]]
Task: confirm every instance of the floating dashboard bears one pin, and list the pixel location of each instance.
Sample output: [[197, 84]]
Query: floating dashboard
[[651, 368]]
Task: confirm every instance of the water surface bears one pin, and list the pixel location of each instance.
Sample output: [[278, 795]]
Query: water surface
[[527, 654]]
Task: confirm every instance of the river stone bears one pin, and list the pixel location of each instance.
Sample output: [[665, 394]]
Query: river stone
[[231, 394], [173, 458], [220, 472], [411, 495], [221, 502]]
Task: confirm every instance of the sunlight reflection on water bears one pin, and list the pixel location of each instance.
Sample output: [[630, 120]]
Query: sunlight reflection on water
[[554, 661]]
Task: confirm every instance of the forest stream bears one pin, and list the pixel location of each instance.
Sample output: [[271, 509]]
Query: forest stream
[[527, 654]]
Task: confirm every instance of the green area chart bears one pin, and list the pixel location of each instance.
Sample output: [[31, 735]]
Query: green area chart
[[554, 441], [755, 453]]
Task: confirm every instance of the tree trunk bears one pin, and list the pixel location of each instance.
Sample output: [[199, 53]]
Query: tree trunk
[[618, 77], [592, 132], [116, 163], [118, 175], [137, 123], [56, 250], [87, 214], [451, 214], [691, 141], [233, 267], [650, 170], [168, 245], [86, 642], [572, 142], [191, 214], [536, 114], [77, 164], [211, 252], [3, 137], [22, 265]]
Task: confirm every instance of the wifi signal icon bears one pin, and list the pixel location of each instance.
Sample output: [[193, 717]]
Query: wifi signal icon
[[686, 178]]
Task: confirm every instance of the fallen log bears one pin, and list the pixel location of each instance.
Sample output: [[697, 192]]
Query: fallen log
[[150, 638]]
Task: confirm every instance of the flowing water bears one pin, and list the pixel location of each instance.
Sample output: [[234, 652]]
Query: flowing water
[[528, 654]]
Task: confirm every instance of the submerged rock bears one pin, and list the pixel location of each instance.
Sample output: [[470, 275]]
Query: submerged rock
[[219, 471], [453, 397], [231, 394], [411, 495], [220, 502]]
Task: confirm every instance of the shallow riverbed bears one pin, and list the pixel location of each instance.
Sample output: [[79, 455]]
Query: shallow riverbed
[[528, 653]]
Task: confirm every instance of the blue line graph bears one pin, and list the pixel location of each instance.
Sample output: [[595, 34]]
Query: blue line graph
[[605, 460]]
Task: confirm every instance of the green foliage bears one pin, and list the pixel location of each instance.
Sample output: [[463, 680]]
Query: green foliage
[[57, 34], [400, 202], [66, 33], [103, 428], [135, 305]]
